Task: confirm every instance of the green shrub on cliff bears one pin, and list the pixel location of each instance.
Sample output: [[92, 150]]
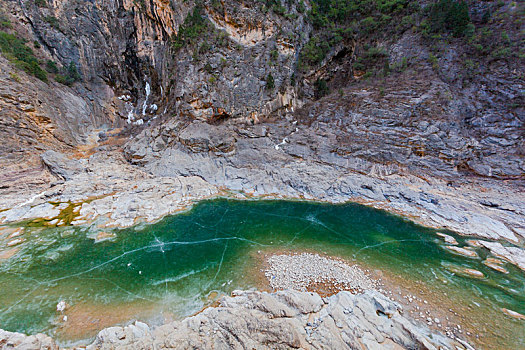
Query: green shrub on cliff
[[41, 3], [449, 16], [373, 58], [68, 75], [199, 34], [22, 56], [321, 88], [5, 23], [313, 53], [194, 26], [51, 66], [340, 21], [72, 72], [14, 76], [53, 22]]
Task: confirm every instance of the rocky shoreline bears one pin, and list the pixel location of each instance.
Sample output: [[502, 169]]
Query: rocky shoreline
[[280, 320], [105, 191], [329, 275], [404, 149], [354, 311]]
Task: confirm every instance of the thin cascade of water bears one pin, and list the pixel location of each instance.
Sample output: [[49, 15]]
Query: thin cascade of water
[[145, 104]]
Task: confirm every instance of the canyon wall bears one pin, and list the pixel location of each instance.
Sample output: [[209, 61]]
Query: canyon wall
[[259, 97]]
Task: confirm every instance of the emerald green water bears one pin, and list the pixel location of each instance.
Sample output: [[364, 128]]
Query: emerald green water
[[171, 267]]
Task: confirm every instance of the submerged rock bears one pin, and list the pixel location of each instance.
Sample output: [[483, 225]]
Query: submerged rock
[[514, 255], [464, 271], [513, 314], [465, 251], [495, 264], [103, 236], [14, 242], [448, 239], [6, 254]]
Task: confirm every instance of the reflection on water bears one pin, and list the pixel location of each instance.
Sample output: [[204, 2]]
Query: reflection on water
[[168, 270]]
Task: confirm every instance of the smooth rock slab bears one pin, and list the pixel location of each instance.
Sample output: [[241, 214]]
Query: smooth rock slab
[[448, 239], [514, 314], [14, 242], [259, 320], [495, 264], [6, 254], [284, 320], [60, 165], [10, 340]]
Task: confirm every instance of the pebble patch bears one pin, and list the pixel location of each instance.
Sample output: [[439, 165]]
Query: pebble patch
[[303, 270]]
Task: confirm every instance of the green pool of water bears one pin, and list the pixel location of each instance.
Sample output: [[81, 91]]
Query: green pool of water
[[169, 269]]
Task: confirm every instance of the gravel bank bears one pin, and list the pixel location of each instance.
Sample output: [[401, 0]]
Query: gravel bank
[[305, 270]]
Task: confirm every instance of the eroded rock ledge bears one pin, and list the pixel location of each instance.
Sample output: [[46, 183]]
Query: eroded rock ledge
[[281, 320]]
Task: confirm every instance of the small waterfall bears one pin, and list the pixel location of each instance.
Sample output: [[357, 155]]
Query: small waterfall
[[145, 104], [131, 114], [131, 117]]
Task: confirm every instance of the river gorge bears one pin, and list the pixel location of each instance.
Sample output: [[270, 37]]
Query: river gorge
[[262, 174]]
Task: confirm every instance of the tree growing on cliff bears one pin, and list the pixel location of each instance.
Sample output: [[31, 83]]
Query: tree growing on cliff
[[270, 82], [320, 88], [51, 67], [191, 30]]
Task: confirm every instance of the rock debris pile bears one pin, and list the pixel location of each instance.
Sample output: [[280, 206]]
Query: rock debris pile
[[302, 271]]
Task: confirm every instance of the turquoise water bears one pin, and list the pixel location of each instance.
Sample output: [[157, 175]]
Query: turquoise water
[[174, 267]]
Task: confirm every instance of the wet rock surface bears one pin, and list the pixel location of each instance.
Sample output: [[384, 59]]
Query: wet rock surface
[[514, 255]]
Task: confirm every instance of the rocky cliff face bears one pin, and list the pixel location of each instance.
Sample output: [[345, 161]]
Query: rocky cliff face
[[187, 81], [131, 71], [213, 61], [124, 46]]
